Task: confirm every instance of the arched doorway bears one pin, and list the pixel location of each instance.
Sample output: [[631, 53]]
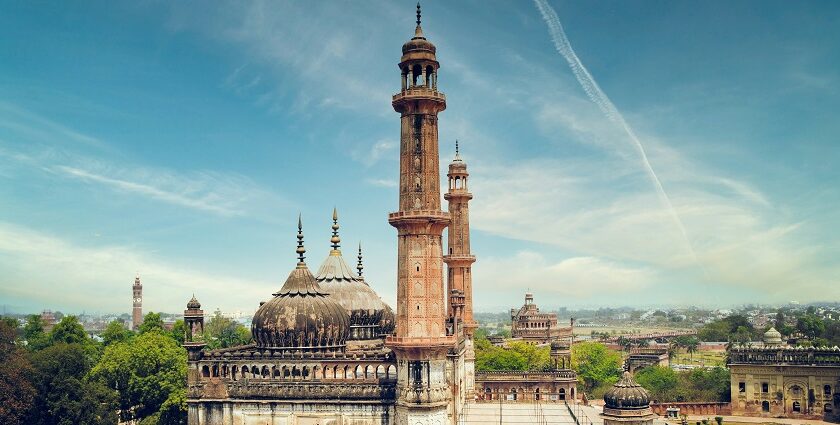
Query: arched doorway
[[765, 406]]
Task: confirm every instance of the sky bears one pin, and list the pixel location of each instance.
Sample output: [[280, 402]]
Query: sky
[[621, 153]]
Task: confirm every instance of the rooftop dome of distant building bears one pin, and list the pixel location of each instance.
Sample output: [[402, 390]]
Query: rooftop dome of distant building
[[772, 337], [193, 304]]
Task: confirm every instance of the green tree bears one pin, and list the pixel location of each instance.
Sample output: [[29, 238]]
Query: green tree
[[151, 323], [68, 331], [16, 390], [691, 346], [33, 333], [595, 364], [536, 358], [179, 331], [115, 332], [64, 396], [221, 332], [662, 382], [811, 326], [497, 359], [150, 373]]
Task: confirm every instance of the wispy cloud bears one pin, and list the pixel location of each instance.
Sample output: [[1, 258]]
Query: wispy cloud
[[46, 271], [382, 182], [373, 153]]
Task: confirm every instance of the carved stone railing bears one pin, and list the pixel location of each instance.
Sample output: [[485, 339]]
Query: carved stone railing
[[383, 391], [526, 376], [785, 355]]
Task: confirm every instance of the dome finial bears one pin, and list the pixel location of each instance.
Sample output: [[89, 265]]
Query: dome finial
[[335, 240], [457, 152], [300, 249], [418, 13], [359, 266]]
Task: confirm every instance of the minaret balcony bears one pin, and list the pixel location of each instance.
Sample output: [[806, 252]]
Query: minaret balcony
[[455, 259], [419, 93]]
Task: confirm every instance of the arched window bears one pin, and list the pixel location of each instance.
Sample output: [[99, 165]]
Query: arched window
[[415, 74], [765, 406], [429, 73], [265, 372], [562, 394], [233, 372], [797, 407], [276, 373], [216, 370], [205, 371], [381, 372], [827, 390]]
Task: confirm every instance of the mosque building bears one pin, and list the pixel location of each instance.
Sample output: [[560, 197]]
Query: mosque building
[[326, 349]]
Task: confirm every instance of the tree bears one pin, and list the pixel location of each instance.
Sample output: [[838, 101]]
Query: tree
[[33, 333], [595, 364], [536, 358], [150, 373], [662, 382], [811, 326], [151, 322], [179, 331], [115, 332], [68, 331], [64, 395], [497, 359], [221, 332], [691, 346], [16, 390]]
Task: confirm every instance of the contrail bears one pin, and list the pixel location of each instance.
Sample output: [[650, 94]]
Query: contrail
[[594, 92]]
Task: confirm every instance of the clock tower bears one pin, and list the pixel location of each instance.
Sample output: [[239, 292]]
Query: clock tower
[[137, 312]]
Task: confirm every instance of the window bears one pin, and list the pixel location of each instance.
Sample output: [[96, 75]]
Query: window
[[827, 390], [765, 387], [742, 387], [797, 407], [765, 406]]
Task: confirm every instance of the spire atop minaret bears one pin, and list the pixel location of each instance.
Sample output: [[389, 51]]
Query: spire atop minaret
[[457, 152], [359, 266], [335, 240], [300, 249], [418, 32]]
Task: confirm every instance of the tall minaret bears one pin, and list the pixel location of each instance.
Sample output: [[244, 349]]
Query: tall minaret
[[137, 311], [459, 264], [421, 342]]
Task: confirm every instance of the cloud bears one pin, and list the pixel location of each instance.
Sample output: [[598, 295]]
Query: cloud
[[373, 153], [382, 182], [47, 271], [572, 280]]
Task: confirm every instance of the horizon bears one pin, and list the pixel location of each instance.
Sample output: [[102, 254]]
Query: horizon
[[686, 164]]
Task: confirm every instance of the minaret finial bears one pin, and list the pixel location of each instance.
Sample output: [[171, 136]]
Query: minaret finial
[[335, 240], [359, 266], [418, 13], [300, 249], [457, 152]]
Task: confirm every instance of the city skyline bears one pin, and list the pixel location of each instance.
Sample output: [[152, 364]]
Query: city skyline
[[181, 144]]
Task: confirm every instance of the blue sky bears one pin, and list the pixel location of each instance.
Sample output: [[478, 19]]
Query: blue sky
[[181, 141]]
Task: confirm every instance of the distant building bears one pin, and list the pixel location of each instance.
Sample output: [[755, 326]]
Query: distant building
[[643, 357], [557, 384], [530, 325], [776, 380], [137, 311], [48, 319]]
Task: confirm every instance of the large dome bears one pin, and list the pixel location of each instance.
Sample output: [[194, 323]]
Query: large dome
[[626, 394], [301, 316], [369, 316]]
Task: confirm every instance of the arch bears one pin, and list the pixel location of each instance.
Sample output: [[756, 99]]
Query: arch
[[243, 371], [347, 375], [205, 371], [391, 372], [827, 390], [233, 372], [276, 373], [416, 70], [255, 372], [265, 373], [562, 393], [358, 372], [368, 373], [295, 372], [537, 393], [797, 407], [381, 372], [317, 372], [765, 406], [335, 372], [305, 373], [573, 394], [430, 72]]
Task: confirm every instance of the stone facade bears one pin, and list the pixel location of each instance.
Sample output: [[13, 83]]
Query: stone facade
[[559, 385], [326, 349], [779, 381], [641, 358], [530, 325]]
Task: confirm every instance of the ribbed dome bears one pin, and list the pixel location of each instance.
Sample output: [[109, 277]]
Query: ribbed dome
[[626, 394], [772, 337], [193, 304], [418, 42], [301, 316], [362, 304]]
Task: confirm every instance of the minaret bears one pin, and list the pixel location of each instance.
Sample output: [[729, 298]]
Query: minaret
[[421, 342], [194, 332], [137, 311], [459, 264]]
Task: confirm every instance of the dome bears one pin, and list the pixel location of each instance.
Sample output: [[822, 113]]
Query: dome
[[301, 316], [418, 43], [369, 316], [772, 337], [193, 304], [626, 394]]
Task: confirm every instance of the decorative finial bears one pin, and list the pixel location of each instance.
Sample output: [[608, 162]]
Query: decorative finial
[[335, 240], [418, 13], [359, 266], [300, 249]]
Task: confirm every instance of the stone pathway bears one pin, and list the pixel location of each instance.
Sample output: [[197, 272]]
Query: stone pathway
[[516, 413]]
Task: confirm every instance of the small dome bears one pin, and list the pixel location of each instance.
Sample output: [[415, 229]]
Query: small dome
[[193, 304], [418, 43], [626, 394], [301, 316], [772, 337]]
